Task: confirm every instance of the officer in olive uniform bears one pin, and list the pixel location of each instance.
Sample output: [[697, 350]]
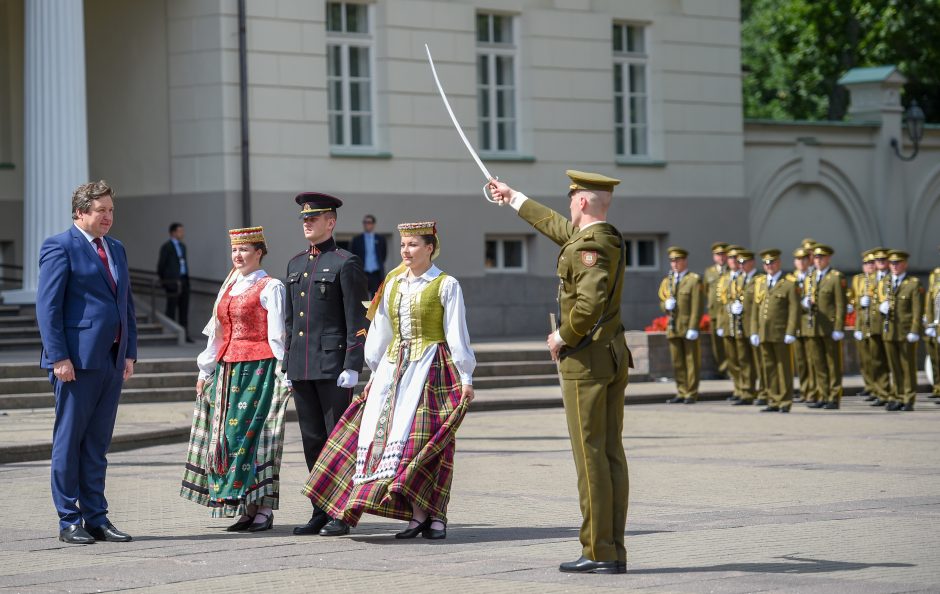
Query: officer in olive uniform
[[680, 296], [877, 354], [728, 325], [776, 315], [801, 264], [741, 310], [713, 303], [824, 325], [862, 285], [902, 304], [931, 322], [326, 329], [593, 357]]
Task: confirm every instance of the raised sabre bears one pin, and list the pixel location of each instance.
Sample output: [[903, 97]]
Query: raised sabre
[[463, 136]]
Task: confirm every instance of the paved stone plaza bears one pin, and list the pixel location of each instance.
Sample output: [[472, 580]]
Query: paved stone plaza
[[723, 499]]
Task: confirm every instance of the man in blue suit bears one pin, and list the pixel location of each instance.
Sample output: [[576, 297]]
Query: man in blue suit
[[89, 344]]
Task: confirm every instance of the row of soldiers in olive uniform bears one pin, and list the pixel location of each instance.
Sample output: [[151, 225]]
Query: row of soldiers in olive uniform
[[932, 321], [326, 330]]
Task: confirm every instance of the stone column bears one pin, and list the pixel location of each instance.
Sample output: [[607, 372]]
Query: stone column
[[56, 130]]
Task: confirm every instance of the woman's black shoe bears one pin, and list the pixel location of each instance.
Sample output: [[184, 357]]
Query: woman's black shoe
[[266, 525], [240, 525], [413, 532], [433, 534]]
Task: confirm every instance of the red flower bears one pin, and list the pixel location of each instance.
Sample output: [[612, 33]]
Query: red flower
[[850, 319], [659, 324], [237, 485]]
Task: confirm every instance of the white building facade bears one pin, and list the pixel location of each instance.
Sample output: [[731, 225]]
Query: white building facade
[[340, 99]]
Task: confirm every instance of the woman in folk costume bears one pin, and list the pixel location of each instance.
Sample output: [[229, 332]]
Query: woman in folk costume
[[238, 424], [392, 452]]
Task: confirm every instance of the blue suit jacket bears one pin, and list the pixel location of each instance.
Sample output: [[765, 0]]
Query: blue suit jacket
[[78, 314]]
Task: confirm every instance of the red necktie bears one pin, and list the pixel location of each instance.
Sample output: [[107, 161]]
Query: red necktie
[[104, 260]]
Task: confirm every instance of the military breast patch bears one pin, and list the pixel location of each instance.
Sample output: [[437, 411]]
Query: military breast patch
[[589, 258]]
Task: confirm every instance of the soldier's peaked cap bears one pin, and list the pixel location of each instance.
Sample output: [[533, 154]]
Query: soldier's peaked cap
[[677, 252], [719, 247], [315, 203], [898, 256], [823, 250], [582, 180], [768, 256]]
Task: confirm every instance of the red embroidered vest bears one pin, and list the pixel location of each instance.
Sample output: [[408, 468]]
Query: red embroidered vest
[[244, 325]]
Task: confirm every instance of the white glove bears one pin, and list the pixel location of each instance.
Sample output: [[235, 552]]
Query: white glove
[[885, 307], [849, 308], [670, 303], [789, 339], [837, 335], [931, 332], [737, 308], [755, 340], [806, 304], [858, 335], [691, 334], [911, 337], [865, 301], [720, 332], [348, 379]]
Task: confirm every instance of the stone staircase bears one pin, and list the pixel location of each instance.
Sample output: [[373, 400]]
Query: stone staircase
[[25, 385], [19, 330]]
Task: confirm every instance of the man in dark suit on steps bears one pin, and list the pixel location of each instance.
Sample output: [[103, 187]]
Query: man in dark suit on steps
[[173, 270], [372, 251]]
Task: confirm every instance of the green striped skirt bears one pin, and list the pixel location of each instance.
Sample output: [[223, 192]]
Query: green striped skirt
[[237, 438]]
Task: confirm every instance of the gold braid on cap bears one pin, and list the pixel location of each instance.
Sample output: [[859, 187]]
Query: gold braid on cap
[[423, 228], [246, 235]]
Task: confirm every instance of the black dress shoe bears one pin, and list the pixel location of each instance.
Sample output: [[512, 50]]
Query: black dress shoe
[[864, 392], [75, 534], [335, 528], [893, 405], [313, 526], [413, 532], [831, 406], [733, 398], [108, 532], [908, 406], [434, 534], [785, 408], [879, 402], [240, 525], [262, 526], [771, 409], [816, 405], [742, 403], [761, 402], [693, 400], [583, 565], [675, 400]]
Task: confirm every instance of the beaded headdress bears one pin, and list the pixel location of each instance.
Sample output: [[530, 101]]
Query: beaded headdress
[[246, 235]]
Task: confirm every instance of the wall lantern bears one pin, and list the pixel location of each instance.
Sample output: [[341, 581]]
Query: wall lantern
[[914, 122]]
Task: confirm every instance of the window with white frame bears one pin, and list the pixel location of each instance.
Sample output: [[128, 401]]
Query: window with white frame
[[349, 75], [505, 254], [631, 95], [496, 82], [642, 253]]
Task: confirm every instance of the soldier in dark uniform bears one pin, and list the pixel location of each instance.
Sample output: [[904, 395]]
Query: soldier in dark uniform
[[326, 329]]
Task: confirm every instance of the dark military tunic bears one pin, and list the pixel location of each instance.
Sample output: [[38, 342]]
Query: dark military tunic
[[326, 333]]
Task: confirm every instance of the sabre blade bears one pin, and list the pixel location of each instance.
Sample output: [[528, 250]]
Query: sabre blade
[[453, 118]]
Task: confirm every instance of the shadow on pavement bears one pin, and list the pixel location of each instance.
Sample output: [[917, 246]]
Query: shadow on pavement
[[474, 533], [794, 565]]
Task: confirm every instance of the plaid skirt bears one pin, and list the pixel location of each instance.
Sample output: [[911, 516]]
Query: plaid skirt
[[250, 394], [426, 469]]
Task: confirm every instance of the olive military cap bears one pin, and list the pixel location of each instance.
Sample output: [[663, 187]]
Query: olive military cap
[[677, 252], [898, 256], [868, 256], [822, 250], [733, 250], [592, 182], [768, 256], [879, 253], [719, 247], [808, 243], [744, 255], [800, 253]]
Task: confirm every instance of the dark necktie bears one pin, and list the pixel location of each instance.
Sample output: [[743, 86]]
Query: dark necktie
[[104, 260]]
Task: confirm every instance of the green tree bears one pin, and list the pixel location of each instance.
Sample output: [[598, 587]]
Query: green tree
[[795, 51]]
